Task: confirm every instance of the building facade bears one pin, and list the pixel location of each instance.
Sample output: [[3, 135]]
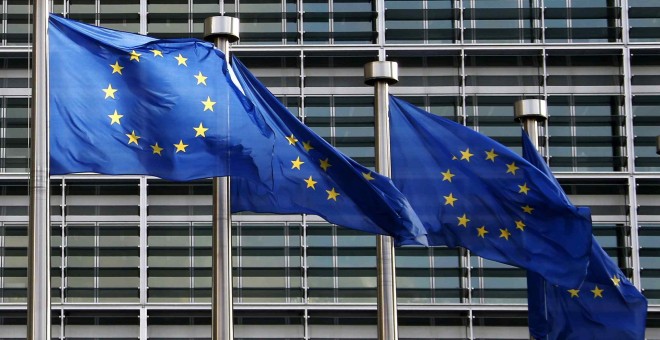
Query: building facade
[[131, 254]]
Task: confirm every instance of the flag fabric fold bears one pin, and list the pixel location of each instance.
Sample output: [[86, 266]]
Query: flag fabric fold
[[127, 104], [473, 192], [310, 176], [605, 306]]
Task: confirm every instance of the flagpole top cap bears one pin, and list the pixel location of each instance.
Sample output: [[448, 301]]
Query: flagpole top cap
[[657, 145], [221, 26], [536, 109], [387, 71]]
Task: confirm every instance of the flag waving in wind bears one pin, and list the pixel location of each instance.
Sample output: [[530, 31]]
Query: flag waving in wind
[[310, 176], [126, 104], [123, 103], [605, 306], [473, 192]]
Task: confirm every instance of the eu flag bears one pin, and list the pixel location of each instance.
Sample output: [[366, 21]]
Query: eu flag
[[123, 103], [473, 192], [310, 176], [605, 306]]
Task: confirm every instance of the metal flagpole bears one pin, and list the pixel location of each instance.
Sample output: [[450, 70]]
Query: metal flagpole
[[222, 31], [381, 74], [38, 308], [530, 112]]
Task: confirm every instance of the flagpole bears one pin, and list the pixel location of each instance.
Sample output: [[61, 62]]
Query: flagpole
[[222, 30], [38, 308], [657, 145], [381, 74], [531, 112]]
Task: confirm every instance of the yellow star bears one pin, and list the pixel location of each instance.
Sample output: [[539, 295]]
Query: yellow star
[[325, 164], [616, 281], [181, 60], [310, 182], [116, 68], [505, 233], [597, 292], [109, 92], [297, 163], [292, 140], [463, 221], [490, 155], [132, 138], [527, 209], [157, 53], [157, 149], [511, 168], [453, 158], [308, 146], [200, 130], [208, 104], [201, 79], [450, 199], [446, 176], [180, 146], [574, 292], [523, 189], [482, 231], [465, 155], [367, 176], [135, 56], [332, 194], [520, 225], [115, 117]]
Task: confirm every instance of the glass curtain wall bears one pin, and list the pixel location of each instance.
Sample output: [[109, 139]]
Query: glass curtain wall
[[131, 255]]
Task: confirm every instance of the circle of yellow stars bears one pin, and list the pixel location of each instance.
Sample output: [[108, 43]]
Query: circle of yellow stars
[[134, 138], [512, 169]]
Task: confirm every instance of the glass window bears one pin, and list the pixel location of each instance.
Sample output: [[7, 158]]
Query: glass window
[[493, 116], [439, 75], [586, 133], [270, 262], [494, 282], [120, 15], [643, 17], [180, 201], [14, 141], [501, 21], [504, 74], [606, 198], [168, 19], [169, 258], [114, 200], [649, 238], [582, 21], [102, 263], [432, 21], [338, 21], [646, 120], [321, 263], [429, 275]]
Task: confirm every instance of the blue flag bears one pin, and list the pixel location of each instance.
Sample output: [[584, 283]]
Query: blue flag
[[123, 103], [473, 192], [605, 306], [310, 176]]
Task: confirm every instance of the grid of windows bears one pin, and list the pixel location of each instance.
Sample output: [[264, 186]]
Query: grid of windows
[[131, 256]]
